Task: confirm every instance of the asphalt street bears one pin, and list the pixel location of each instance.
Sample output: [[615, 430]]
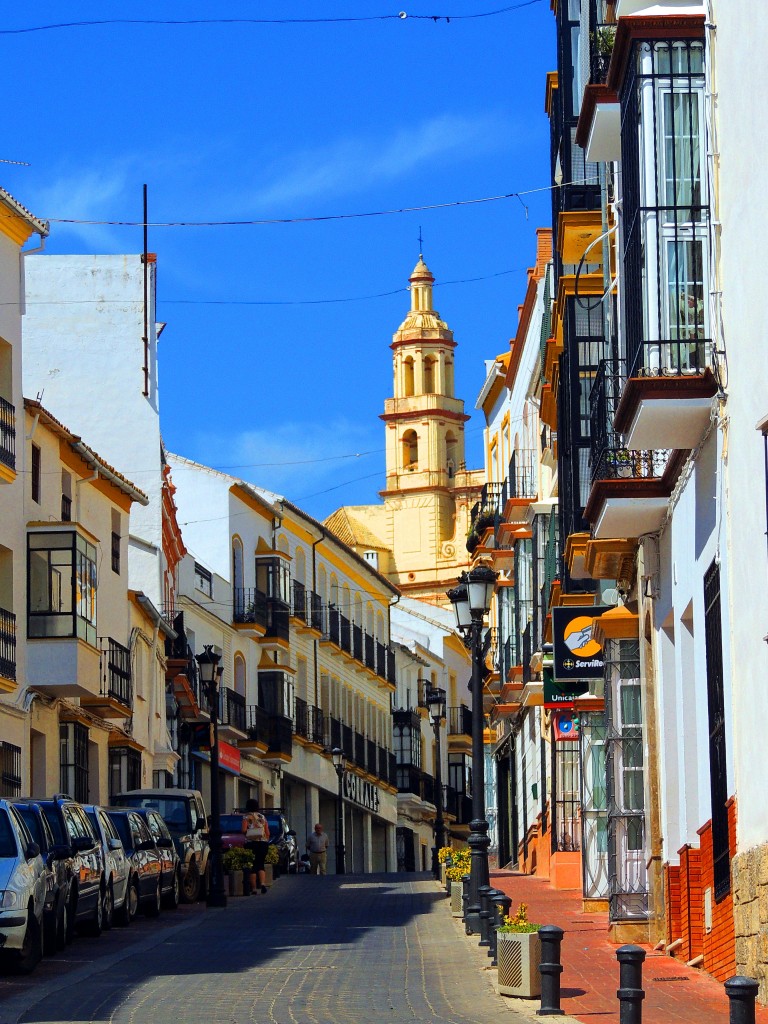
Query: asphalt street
[[314, 950]]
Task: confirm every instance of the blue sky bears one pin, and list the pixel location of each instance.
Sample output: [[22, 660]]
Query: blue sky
[[243, 122]]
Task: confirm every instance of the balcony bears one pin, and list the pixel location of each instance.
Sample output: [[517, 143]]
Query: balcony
[[7, 441], [307, 609], [667, 400], [630, 489], [271, 735], [256, 728], [278, 621], [249, 610], [7, 650], [458, 806], [309, 723], [115, 697], [232, 715]]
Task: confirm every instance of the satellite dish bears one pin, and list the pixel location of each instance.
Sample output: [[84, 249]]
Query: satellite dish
[[610, 596]]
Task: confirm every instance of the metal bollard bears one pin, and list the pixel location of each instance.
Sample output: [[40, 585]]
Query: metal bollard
[[500, 904], [482, 894], [465, 900], [742, 993], [630, 993], [550, 970], [491, 909]]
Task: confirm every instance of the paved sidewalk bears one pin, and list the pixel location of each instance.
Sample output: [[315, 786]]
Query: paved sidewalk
[[379, 949], [674, 993]]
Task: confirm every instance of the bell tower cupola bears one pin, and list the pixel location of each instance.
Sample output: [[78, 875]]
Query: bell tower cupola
[[425, 422]]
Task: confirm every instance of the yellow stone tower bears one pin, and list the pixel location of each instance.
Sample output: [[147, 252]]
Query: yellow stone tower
[[417, 536]]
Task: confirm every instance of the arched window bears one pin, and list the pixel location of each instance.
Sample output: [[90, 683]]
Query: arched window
[[449, 377], [335, 598], [410, 450], [358, 616], [322, 583], [429, 375], [300, 566], [237, 564], [408, 377], [451, 449], [240, 676]]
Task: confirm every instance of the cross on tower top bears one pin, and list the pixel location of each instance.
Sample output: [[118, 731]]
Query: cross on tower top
[[421, 246]]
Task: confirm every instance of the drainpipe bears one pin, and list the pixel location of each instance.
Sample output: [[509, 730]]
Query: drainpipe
[[22, 286], [314, 591]]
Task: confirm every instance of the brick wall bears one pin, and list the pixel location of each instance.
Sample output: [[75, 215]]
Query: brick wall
[[719, 944], [672, 905]]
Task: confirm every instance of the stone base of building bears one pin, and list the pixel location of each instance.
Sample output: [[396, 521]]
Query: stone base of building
[[565, 870], [749, 873], [622, 932]]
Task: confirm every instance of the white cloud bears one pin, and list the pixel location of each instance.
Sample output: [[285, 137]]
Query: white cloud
[[82, 195], [296, 460], [352, 165]]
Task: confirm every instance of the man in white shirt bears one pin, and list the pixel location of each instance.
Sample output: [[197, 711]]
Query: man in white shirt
[[317, 845]]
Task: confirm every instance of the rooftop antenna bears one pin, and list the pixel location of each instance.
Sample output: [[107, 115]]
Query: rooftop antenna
[[421, 246]]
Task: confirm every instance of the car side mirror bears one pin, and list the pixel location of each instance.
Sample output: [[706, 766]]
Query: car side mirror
[[290, 832], [33, 850], [164, 842], [147, 844], [114, 844], [62, 850], [83, 843]]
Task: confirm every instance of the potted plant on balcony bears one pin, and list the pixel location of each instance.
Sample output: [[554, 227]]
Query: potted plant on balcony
[[237, 864], [519, 955], [621, 462], [472, 541]]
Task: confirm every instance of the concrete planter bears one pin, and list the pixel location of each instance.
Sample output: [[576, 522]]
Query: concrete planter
[[443, 869], [269, 873], [456, 893], [235, 883], [519, 956]]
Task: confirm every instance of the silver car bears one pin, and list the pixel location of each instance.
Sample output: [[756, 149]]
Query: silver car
[[116, 901], [22, 892]]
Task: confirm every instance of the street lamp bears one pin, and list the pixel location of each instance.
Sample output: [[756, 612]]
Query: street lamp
[[339, 764], [210, 677], [436, 705], [471, 601]]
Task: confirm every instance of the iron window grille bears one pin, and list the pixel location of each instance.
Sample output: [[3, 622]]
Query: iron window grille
[[73, 760], [7, 644], [116, 552], [36, 474], [718, 771], [666, 209], [10, 769], [7, 434]]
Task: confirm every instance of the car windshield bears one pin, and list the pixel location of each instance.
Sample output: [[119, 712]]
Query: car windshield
[[30, 819], [8, 846], [174, 812], [231, 823]]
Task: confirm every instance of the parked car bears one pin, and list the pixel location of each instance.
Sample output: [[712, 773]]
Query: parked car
[[283, 837], [116, 866], [73, 834], [57, 929], [280, 835], [183, 812], [170, 868], [22, 892], [145, 863]]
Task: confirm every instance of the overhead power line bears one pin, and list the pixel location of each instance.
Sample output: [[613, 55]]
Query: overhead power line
[[175, 22], [316, 219]]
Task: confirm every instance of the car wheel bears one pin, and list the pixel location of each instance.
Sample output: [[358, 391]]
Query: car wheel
[[190, 886], [31, 952], [62, 924], [130, 907], [96, 924], [108, 907], [50, 928], [71, 915], [172, 897], [152, 908]]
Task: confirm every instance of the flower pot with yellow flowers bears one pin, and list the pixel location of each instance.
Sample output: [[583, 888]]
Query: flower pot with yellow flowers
[[518, 952], [458, 868]]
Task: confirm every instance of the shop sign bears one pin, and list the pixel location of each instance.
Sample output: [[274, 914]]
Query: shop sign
[[229, 757], [576, 655], [561, 695], [565, 725], [360, 792]]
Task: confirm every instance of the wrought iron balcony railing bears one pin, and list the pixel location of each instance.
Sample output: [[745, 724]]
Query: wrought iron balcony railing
[[7, 644], [232, 708], [115, 671], [7, 434], [460, 721], [250, 606]]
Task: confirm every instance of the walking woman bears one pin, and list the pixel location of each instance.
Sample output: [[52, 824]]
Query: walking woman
[[256, 831]]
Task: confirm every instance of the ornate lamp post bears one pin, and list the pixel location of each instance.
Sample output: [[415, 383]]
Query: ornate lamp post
[[436, 705], [339, 764], [210, 677], [471, 601]]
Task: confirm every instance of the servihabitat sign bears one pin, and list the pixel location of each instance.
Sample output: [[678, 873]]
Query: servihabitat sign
[[358, 791]]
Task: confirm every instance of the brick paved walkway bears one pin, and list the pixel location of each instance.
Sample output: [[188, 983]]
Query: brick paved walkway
[[379, 949], [674, 993]]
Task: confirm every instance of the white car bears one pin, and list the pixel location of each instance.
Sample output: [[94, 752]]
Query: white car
[[22, 892]]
